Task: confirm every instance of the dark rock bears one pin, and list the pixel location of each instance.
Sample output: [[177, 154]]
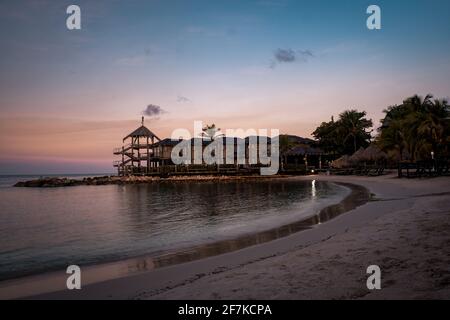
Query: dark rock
[[49, 183]]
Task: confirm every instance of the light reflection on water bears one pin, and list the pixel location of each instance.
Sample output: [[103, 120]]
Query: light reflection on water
[[313, 189], [48, 229]]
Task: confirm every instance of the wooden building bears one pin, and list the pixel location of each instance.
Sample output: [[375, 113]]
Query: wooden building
[[143, 153], [137, 152]]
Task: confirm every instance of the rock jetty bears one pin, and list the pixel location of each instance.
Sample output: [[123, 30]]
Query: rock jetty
[[54, 182]]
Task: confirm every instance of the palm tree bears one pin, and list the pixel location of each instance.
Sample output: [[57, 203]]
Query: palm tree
[[327, 137], [416, 108], [419, 125], [211, 132], [392, 133], [353, 125], [346, 135]]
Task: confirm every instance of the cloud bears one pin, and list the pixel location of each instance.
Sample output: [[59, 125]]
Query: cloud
[[284, 55], [290, 56], [304, 55], [183, 99], [153, 111]]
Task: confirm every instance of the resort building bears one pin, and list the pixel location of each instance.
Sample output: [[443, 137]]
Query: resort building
[[144, 153], [137, 152]]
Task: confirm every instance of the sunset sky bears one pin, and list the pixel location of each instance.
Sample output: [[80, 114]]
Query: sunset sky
[[68, 97]]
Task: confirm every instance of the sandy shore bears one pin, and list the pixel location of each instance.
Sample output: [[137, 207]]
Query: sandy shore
[[406, 231], [411, 244]]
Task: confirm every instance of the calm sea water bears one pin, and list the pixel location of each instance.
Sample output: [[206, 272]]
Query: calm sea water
[[48, 229]]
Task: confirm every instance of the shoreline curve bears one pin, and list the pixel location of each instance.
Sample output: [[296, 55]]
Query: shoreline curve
[[32, 286]]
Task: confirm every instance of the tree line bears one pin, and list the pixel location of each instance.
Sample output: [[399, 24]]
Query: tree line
[[417, 129]]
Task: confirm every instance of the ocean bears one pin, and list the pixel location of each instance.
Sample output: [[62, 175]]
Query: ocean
[[47, 229]]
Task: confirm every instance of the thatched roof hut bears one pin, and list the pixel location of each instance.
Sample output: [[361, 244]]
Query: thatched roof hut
[[373, 153], [357, 156], [342, 162], [142, 132]]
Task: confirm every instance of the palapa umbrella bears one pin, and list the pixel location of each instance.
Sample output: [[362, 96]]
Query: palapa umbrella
[[357, 156], [341, 162], [373, 153]]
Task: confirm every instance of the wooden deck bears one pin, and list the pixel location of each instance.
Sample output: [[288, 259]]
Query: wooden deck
[[192, 170]]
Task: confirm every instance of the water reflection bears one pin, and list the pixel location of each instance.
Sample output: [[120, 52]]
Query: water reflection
[[313, 189], [48, 229], [358, 196]]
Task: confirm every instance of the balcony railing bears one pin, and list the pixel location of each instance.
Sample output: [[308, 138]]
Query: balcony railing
[[129, 145]]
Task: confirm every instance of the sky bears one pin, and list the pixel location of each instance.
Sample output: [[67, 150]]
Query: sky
[[68, 97]]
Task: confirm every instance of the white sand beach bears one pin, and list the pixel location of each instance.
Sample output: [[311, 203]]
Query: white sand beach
[[406, 231], [410, 243]]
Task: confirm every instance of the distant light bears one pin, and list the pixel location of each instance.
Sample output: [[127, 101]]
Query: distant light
[[312, 171]]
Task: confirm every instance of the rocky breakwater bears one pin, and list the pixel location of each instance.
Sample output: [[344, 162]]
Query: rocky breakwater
[[53, 182]]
